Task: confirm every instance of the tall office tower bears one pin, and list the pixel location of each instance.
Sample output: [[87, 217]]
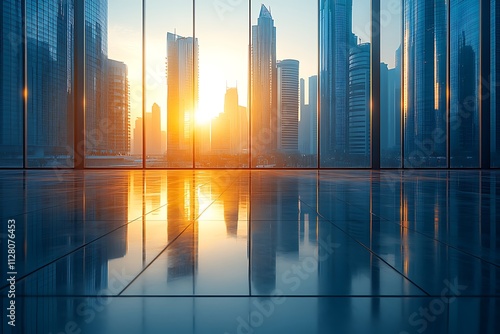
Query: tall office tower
[[230, 129], [304, 121], [288, 106], [138, 136], [359, 102], [182, 95], [96, 55], [153, 131], [308, 125], [495, 76], [118, 108], [313, 114], [464, 83], [264, 85], [390, 113], [11, 84], [394, 105], [50, 44], [335, 41], [238, 122], [424, 82]]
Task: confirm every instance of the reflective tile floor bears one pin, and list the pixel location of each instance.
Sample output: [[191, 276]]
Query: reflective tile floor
[[250, 252]]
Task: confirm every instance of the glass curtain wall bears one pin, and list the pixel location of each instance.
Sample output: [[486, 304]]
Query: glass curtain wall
[[464, 83], [390, 82], [172, 75], [11, 85], [424, 83], [221, 114], [345, 79], [242, 84], [494, 88], [113, 82], [283, 91], [50, 104]]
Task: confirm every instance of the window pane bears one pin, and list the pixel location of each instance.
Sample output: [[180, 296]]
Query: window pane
[[464, 83], [345, 83], [11, 85], [113, 81], [390, 83], [222, 114], [495, 87], [424, 83], [171, 83], [278, 62], [50, 83]]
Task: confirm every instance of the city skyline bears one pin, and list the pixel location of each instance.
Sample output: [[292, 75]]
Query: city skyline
[[420, 91]]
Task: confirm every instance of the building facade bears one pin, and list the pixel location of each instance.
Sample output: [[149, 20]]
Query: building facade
[[182, 95], [118, 101], [335, 41], [264, 85], [288, 106], [359, 103], [425, 82]]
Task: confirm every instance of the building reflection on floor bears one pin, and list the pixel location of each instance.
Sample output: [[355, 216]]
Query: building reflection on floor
[[338, 248]]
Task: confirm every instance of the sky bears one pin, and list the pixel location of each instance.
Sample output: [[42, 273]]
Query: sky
[[222, 32]]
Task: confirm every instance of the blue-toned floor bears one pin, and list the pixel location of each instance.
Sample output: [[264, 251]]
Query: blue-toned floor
[[252, 251]]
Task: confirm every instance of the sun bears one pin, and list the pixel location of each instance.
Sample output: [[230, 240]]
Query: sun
[[202, 117]]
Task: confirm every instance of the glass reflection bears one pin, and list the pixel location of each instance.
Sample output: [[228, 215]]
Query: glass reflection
[[261, 234], [424, 83]]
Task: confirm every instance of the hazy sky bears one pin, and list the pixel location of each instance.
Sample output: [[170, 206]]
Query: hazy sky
[[222, 32]]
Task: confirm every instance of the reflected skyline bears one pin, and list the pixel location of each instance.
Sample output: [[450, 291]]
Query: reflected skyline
[[324, 233]]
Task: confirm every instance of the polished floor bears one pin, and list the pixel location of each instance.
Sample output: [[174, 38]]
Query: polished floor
[[252, 251]]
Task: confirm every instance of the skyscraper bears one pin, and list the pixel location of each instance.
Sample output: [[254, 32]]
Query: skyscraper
[[304, 143], [335, 41], [264, 85], [238, 122], [495, 76], [288, 106], [313, 114], [11, 84], [118, 108], [153, 131], [182, 95], [308, 125], [229, 133], [424, 85], [50, 44], [96, 55], [138, 136], [390, 113], [464, 83], [359, 102]]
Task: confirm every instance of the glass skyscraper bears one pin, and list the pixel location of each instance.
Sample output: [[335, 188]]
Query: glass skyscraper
[[424, 83], [50, 44], [359, 103], [182, 97], [464, 83], [336, 39], [96, 54], [263, 88], [11, 84], [288, 106], [494, 88]]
